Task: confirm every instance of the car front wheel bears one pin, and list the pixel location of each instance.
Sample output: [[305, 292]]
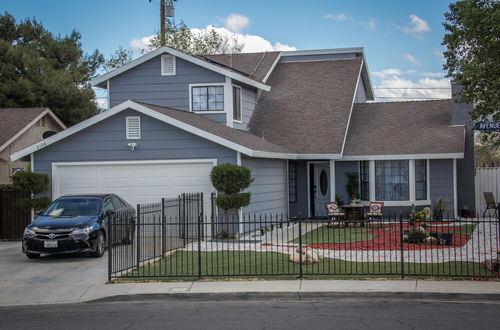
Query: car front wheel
[[100, 245]]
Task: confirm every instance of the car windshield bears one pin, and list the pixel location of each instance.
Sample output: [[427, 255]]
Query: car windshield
[[72, 207]]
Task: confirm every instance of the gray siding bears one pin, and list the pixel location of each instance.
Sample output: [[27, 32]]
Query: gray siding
[[106, 141], [319, 57], [145, 83], [300, 206], [360, 93], [465, 167], [249, 99], [441, 181], [341, 168], [218, 117], [269, 190]]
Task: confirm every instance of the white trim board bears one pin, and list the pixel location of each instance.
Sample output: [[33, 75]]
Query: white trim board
[[408, 156], [98, 81], [155, 114], [47, 111]]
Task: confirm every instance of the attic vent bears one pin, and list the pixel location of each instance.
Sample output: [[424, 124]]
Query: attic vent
[[133, 127], [167, 65]]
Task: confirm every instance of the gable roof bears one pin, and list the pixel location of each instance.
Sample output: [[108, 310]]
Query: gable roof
[[15, 121], [308, 109], [255, 65], [404, 128], [203, 62], [241, 141]]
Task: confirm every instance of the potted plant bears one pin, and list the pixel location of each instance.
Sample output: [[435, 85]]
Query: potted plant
[[439, 207], [352, 187], [464, 211]]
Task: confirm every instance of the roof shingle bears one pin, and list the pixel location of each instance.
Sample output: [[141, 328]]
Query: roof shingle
[[242, 138], [396, 128], [307, 110], [12, 120], [254, 65]]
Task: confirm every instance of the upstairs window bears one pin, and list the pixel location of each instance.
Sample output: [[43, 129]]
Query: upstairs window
[[133, 127], [236, 103], [167, 65], [207, 98]]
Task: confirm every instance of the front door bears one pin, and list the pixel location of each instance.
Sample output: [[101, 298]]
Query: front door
[[321, 188]]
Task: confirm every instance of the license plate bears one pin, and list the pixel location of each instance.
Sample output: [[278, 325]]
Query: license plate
[[50, 244]]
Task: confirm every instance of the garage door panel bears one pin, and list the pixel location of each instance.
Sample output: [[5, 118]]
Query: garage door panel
[[136, 183]]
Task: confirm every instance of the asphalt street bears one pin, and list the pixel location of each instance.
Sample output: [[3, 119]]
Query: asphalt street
[[296, 314]]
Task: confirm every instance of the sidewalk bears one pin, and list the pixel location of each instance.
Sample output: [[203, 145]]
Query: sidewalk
[[293, 289]]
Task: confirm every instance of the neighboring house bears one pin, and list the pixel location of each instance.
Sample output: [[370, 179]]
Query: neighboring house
[[299, 120], [20, 128]]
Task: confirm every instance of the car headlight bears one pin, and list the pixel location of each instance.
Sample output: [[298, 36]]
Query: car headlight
[[29, 233], [82, 232]]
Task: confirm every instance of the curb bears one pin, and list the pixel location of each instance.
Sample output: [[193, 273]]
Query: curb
[[295, 295]]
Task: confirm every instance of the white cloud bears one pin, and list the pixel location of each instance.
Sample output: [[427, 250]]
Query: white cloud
[[411, 59], [432, 74], [394, 86], [252, 43], [140, 43], [101, 102], [416, 26], [337, 17], [236, 22], [372, 24], [439, 54], [387, 73]]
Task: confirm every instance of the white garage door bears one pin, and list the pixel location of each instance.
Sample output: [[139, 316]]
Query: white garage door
[[136, 182]]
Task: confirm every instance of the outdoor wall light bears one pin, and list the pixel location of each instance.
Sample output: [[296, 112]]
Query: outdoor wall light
[[132, 146]]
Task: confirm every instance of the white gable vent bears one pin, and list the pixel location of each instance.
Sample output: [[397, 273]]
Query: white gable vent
[[167, 65], [133, 127]]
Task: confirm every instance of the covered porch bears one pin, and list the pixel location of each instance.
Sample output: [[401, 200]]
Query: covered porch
[[402, 184]]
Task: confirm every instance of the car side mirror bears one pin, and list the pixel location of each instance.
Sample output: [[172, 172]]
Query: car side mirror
[[38, 213]]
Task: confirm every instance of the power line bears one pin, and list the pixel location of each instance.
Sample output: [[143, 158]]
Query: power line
[[412, 88], [410, 98]]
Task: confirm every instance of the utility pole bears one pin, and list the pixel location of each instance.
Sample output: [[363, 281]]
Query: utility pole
[[166, 10], [162, 23]]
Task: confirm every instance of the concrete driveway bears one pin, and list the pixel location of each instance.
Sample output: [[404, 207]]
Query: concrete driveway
[[49, 279]]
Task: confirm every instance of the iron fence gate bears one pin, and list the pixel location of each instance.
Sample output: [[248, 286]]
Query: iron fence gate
[[176, 239]]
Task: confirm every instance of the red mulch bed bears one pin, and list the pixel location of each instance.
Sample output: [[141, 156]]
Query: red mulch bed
[[388, 238]]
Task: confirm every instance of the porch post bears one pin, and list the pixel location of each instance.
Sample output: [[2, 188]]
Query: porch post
[[332, 180], [371, 179], [455, 202]]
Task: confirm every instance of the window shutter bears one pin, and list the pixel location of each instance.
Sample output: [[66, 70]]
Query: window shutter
[[167, 65], [133, 127]]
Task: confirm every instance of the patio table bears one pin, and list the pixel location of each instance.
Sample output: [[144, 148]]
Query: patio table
[[354, 213]]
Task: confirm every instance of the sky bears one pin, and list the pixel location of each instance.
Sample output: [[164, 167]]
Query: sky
[[402, 39]]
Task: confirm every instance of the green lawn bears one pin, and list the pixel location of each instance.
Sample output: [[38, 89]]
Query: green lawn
[[325, 234], [248, 264]]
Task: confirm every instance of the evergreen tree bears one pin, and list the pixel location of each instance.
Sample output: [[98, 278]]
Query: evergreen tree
[[38, 69]]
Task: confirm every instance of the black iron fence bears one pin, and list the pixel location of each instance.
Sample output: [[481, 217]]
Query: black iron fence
[[175, 239]]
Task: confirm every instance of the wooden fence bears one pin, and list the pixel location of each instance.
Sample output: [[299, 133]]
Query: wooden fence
[[13, 219], [487, 179]]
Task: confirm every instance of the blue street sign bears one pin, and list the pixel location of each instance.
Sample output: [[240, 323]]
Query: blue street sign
[[488, 126]]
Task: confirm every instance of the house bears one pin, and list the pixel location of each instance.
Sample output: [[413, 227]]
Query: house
[[300, 120], [20, 128]]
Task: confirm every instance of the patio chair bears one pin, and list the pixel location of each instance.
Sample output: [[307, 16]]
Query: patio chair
[[333, 211], [490, 203], [376, 210]]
